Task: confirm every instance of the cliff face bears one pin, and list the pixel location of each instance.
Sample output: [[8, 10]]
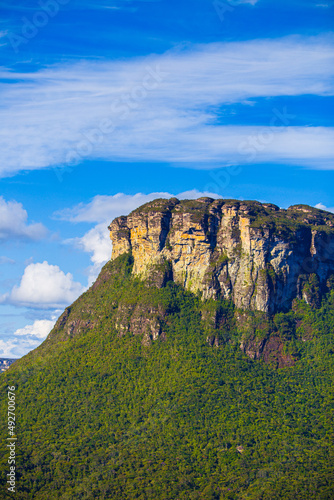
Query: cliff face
[[257, 254]]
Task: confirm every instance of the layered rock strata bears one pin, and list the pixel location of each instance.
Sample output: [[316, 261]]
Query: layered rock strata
[[260, 256]]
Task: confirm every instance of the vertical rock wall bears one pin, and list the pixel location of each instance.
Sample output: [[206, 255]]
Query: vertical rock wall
[[257, 254]]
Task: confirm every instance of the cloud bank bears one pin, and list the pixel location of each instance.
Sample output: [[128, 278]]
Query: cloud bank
[[165, 107], [40, 329], [44, 286], [15, 348], [27, 338]]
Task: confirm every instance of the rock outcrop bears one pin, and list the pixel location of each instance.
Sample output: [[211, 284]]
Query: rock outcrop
[[260, 256]]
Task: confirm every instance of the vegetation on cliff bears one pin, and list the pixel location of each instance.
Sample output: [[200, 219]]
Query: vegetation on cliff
[[259, 255], [143, 393], [259, 212]]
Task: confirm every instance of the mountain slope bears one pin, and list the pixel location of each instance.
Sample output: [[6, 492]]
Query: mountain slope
[[150, 392]]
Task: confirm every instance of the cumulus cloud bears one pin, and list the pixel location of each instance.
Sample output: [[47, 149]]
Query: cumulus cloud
[[23, 340], [44, 286], [105, 208], [13, 222], [39, 329], [15, 348], [165, 107], [96, 242], [321, 206]]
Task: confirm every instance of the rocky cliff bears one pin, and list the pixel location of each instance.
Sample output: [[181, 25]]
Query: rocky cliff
[[259, 255]]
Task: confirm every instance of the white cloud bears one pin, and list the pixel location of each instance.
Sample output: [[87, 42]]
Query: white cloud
[[240, 2], [96, 242], [40, 329], [23, 340], [6, 260], [15, 348], [53, 115], [13, 222], [120, 5], [106, 208], [103, 208], [321, 206], [193, 194], [44, 286]]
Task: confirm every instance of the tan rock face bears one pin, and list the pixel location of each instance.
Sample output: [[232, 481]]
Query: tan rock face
[[258, 255]]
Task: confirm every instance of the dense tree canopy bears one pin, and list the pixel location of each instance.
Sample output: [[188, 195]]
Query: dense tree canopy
[[108, 416]]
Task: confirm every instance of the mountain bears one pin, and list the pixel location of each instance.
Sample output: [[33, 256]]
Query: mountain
[[199, 365]]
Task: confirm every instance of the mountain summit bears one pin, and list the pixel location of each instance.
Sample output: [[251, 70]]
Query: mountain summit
[[260, 256], [198, 366]]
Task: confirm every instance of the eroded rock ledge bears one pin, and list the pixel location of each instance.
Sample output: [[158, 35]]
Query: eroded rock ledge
[[259, 255]]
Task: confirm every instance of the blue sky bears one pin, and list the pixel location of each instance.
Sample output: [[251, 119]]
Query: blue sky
[[108, 104]]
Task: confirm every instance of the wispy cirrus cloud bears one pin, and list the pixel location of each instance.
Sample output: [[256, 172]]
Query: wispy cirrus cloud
[[164, 108], [13, 222], [6, 260], [244, 2], [321, 206], [3, 34], [116, 5]]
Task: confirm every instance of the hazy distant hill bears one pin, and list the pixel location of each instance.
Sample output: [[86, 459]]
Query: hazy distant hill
[[5, 363]]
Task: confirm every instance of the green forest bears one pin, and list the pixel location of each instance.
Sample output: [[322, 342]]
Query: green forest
[[173, 416]]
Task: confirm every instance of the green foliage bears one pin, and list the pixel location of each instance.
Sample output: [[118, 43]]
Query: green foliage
[[222, 259], [312, 292], [168, 246], [285, 325], [103, 416]]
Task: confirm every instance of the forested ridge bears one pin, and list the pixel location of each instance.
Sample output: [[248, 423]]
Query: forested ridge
[[104, 415]]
